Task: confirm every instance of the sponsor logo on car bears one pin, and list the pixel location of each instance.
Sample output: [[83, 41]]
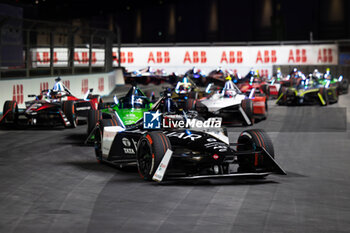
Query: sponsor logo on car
[[129, 151], [126, 142]]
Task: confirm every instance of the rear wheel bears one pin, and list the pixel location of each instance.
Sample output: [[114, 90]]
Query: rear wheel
[[247, 106], [69, 111], [150, 151], [266, 90], [98, 145], [250, 140], [11, 111]]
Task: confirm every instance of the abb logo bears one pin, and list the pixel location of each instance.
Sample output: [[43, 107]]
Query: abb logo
[[160, 57], [44, 86], [297, 56], [197, 57], [44, 57], [83, 57], [18, 93], [264, 73], [325, 55], [124, 57], [66, 83], [84, 85], [232, 57], [266, 56], [101, 86]]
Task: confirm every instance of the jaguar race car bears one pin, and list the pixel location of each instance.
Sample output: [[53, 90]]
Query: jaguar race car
[[130, 109], [184, 152], [50, 108]]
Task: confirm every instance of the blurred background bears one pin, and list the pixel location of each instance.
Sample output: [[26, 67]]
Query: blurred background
[[90, 34]]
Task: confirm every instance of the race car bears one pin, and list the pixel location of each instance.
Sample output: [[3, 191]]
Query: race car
[[274, 83], [233, 105], [216, 76], [308, 92], [253, 80], [340, 83], [197, 76], [184, 153], [130, 109], [50, 108], [146, 76]]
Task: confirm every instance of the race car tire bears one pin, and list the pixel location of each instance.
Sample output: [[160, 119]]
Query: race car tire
[[247, 106], [69, 111], [11, 111], [150, 151], [98, 145], [250, 140], [191, 104], [93, 117], [112, 121], [266, 90], [323, 92]]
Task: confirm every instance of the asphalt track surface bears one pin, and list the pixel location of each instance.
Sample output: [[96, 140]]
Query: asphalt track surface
[[51, 182]]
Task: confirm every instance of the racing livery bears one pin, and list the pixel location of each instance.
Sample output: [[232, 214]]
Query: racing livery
[[50, 108], [184, 153]]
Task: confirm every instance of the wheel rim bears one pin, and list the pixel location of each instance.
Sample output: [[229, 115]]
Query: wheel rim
[[144, 158]]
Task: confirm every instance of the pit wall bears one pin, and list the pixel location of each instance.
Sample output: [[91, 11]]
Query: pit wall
[[19, 89]]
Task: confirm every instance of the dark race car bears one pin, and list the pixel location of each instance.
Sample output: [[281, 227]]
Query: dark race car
[[308, 92], [146, 76], [184, 152], [50, 108], [197, 76]]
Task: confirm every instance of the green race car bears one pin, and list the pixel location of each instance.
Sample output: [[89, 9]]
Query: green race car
[[308, 92], [129, 109]]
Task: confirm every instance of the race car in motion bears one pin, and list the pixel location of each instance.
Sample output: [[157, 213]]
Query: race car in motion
[[146, 76], [183, 152], [308, 92], [50, 108], [129, 108], [233, 105]]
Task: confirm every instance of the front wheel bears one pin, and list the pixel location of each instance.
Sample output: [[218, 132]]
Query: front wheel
[[93, 117], [10, 111], [249, 140], [150, 151]]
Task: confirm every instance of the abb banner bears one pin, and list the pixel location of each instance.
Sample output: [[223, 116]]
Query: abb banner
[[41, 57], [19, 89], [180, 59]]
